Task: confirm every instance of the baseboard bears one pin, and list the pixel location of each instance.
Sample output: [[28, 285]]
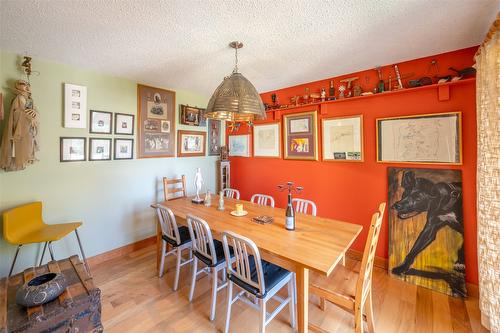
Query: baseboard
[[358, 255], [121, 251]]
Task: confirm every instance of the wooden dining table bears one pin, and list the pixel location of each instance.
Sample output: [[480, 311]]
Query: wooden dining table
[[317, 244]]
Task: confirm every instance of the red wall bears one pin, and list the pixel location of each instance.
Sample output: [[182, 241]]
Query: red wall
[[352, 191]]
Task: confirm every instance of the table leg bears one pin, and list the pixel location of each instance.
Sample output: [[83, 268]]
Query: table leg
[[302, 275], [158, 246]]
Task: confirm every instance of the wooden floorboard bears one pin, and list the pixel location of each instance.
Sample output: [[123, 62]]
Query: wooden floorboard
[[134, 299]]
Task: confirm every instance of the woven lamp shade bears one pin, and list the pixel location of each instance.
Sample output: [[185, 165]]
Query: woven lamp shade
[[235, 99]]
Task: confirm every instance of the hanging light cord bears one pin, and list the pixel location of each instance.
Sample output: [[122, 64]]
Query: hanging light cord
[[235, 70]]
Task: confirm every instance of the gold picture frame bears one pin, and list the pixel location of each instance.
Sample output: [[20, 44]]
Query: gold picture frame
[[348, 149], [300, 136], [267, 152]]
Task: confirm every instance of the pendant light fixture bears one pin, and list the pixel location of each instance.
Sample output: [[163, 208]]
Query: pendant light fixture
[[235, 99]]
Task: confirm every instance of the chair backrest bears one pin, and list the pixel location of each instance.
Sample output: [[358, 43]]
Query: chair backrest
[[171, 190], [245, 251], [364, 282], [231, 193], [168, 223], [262, 199], [302, 206], [201, 235], [21, 220]]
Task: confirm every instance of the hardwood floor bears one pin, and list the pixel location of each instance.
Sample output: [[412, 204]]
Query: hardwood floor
[[134, 299]]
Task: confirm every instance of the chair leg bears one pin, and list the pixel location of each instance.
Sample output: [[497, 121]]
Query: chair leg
[[358, 318], [194, 270], [83, 253], [322, 303], [229, 304], [262, 316], [51, 251], [291, 304], [369, 313], [162, 260], [14, 261], [224, 275], [214, 294], [43, 254], [177, 269]]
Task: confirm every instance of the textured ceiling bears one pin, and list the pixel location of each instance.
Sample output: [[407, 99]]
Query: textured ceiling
[[183, 44]]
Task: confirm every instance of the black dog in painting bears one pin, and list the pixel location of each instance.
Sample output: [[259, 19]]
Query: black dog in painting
[[443, 204]]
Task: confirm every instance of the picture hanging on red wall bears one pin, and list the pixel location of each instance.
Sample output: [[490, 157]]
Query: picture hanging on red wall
[[342, 138], [301, 136]]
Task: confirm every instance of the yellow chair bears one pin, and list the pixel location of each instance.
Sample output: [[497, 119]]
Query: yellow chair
[[24, 225]]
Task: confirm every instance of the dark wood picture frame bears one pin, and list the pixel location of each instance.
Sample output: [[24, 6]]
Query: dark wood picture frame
[[181, 153], [61, 153], [155, 104], [214, 139], [192, 115], [115, 150], [90, 149], [91, 117], [116, 123]]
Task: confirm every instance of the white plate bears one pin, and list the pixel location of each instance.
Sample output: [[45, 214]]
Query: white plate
[[243, 213]]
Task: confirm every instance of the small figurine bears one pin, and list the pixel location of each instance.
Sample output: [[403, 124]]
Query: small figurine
[[224, 153], [341, 91], [323, 94], [273, 98], [208, 199], [221, 201], [198, 183], [357, 90], [305, 98]]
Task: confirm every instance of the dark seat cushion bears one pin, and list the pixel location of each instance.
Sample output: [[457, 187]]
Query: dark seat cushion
[[219, 253], [183, 235], [273, 274]]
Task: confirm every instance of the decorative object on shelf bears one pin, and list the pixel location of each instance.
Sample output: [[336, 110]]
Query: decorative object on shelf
[[99, 149], [464, 73], [342, 89], [224, 153], [214, 134], [305, 97], [124, 149], [193, 116], [233, 126], [100, 122], [239, 210], [235, 99], [41, 289], [398, 77], [156, 118], [274, 98], [73, 149], [349, 82], [380, 85], [223, 175], [357, 91], [290, 213], [427, 138], [75, 106], [314, 97], [301, 136], [331, 92], [20, 141], [295, 100], [263, 219], [124, 124], [208, 199], [239, 145], [323, 94], [342, 138], [221, 201], [266, 140], [191, 143], [426, 211], [198, 183], [424, 81]]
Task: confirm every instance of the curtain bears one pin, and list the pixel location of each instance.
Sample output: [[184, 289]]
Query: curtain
[[488, 177]]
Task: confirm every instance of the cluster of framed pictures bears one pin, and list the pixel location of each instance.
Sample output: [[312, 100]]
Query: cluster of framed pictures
[[101, 122], [428, 138], [74, 149]]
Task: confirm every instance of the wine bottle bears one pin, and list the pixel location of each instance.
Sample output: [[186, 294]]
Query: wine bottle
[[332, 89], [290, 214]]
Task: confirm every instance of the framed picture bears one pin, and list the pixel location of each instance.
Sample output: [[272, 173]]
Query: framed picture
[[191, 143], [156, 117], [428, 138], [301, 136], [342, 138], [214, 134], [100, 122], [99, 149], [73, 149], [193, 116], [239, 145], [75, 106], [266, 140], [124, 149], [124, 123]]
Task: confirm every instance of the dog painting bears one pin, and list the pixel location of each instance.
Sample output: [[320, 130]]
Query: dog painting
[[426, 232]]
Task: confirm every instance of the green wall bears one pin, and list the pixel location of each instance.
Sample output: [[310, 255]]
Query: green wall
[[112, 198]]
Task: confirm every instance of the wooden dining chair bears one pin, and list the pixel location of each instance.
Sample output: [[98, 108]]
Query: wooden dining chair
[[259, 278], [177, 237], [262, 199], [302, 206], [357, 298], [231, 193], [171, 188], [209, 252]]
